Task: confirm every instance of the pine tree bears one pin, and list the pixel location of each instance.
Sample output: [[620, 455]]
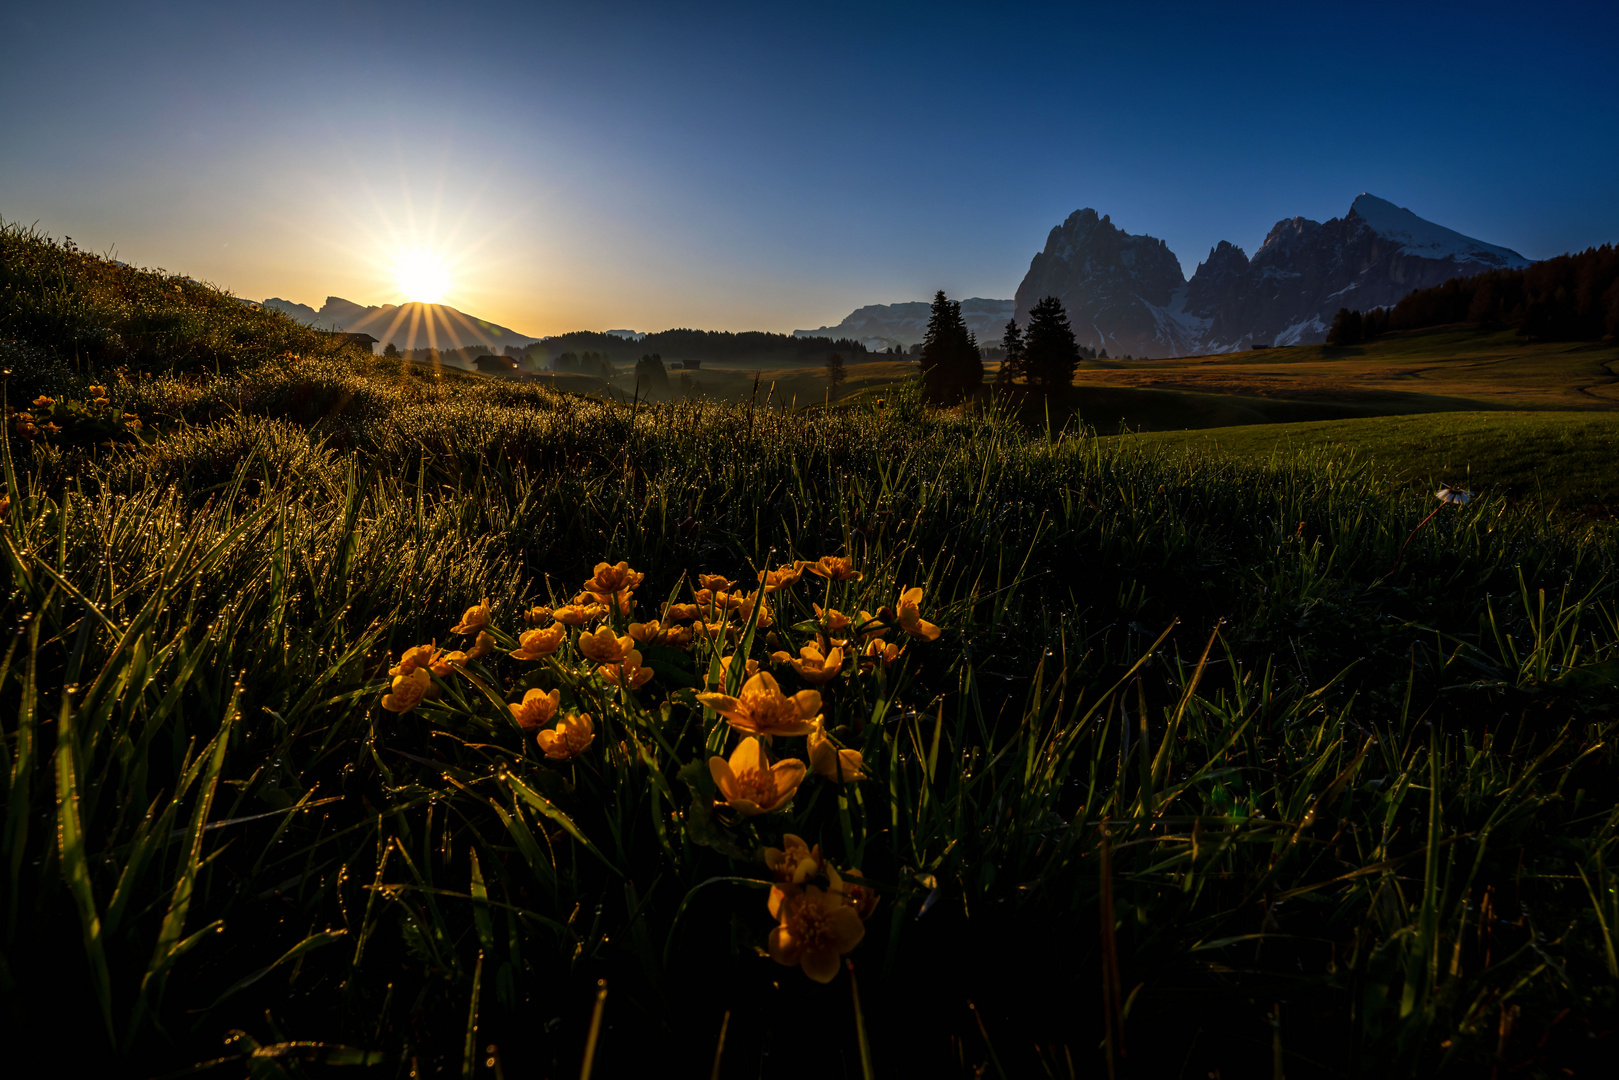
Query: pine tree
[[952, 367], [1346, 328], [1050, 353], [651, 376], [834, 372], [1012, 362]]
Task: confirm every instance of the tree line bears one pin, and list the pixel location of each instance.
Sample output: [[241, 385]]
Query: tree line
[[1572, 297], [1044, 355], [715, 346]]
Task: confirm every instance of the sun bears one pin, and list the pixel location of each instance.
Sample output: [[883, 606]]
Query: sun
[[422, 277]]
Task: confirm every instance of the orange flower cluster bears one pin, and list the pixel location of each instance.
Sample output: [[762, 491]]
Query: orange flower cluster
[[593, 646]]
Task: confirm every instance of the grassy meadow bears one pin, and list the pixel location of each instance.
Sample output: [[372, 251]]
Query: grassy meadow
[[1563, 460], [357, 715]]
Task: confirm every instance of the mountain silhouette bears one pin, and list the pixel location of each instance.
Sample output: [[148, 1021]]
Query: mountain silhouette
[[407, 326]]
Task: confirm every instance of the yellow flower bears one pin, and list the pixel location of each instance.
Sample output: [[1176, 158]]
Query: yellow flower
[[762, 709], [476, 618], [536, 708], [5, 504], [870, 626], [411, 659], [445, 663], [610, 579], [791, 865], [744, 610], [43, 402], [627, 671], [101, 401], [131, 420], [569, 739], [407, 691], [835, 568], [815, 929], [681, 613], [795, 862], [603, 647], [534, 616], [782, 576], [750, 784], [749, 669], [812, 666], [713, 605], [482, 646], [54, 429], [653, 632], [881, 652], [578, 614], [843, 766], [831, 619], [623, 600], [863, 898], [536, 644], [910, 617], [96, 391], [714, 582]]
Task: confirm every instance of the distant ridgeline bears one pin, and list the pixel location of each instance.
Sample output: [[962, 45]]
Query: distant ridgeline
[[1568, 298], [752, 347]]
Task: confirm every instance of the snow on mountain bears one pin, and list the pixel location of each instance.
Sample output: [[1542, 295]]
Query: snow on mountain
[[1425, 239], [881, 326]]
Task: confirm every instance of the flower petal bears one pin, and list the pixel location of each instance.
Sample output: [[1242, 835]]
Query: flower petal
[[784, 948], [763, 682], [749, 754], [822, 964], [724, 777], [724, 704], [844, 928]]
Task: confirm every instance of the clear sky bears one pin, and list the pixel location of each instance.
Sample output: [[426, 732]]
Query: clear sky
[[773, 166]]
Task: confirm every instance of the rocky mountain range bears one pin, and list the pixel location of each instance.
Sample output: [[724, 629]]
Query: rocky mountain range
[[881, 326], [408, 326], [1127, 293]]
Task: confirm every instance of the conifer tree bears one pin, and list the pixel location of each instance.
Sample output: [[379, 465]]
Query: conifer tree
[[952, 366], [834, 372], [1050, 353], [1012, 347], [1346, 328], [651, 375]]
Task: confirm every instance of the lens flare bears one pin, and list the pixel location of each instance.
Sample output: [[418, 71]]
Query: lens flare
[[422, 277]]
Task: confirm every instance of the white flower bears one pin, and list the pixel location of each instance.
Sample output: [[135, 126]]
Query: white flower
[[1454, 495]]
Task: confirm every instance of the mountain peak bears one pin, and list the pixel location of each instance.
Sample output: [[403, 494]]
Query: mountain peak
[[411, 325], [1127, 293], [1418, 236], [1123, 292]]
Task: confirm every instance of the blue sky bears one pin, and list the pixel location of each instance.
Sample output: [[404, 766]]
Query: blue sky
[[772, 167]]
